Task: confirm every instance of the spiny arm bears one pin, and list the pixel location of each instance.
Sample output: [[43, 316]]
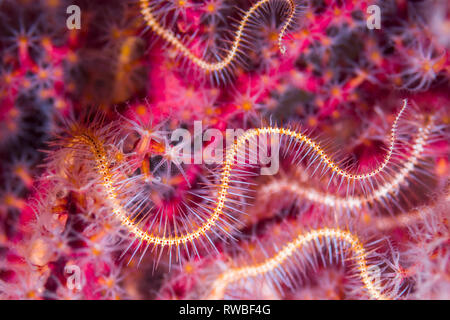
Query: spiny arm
[[171, 38]]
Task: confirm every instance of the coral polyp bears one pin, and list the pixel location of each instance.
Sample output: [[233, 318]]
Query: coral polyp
[[224, 149]]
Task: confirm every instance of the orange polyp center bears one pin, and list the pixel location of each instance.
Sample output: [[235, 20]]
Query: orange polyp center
[[273, 36], [376, 57], [247, 105], [426, 66], [23, 42], [53, 3], [46, 43], [335, 92], [211, 8], [95, 251], [188, 268], [141, 110]]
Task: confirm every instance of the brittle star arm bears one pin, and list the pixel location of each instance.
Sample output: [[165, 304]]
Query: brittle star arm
[[359, 256], [171, 38], [103, 168]]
